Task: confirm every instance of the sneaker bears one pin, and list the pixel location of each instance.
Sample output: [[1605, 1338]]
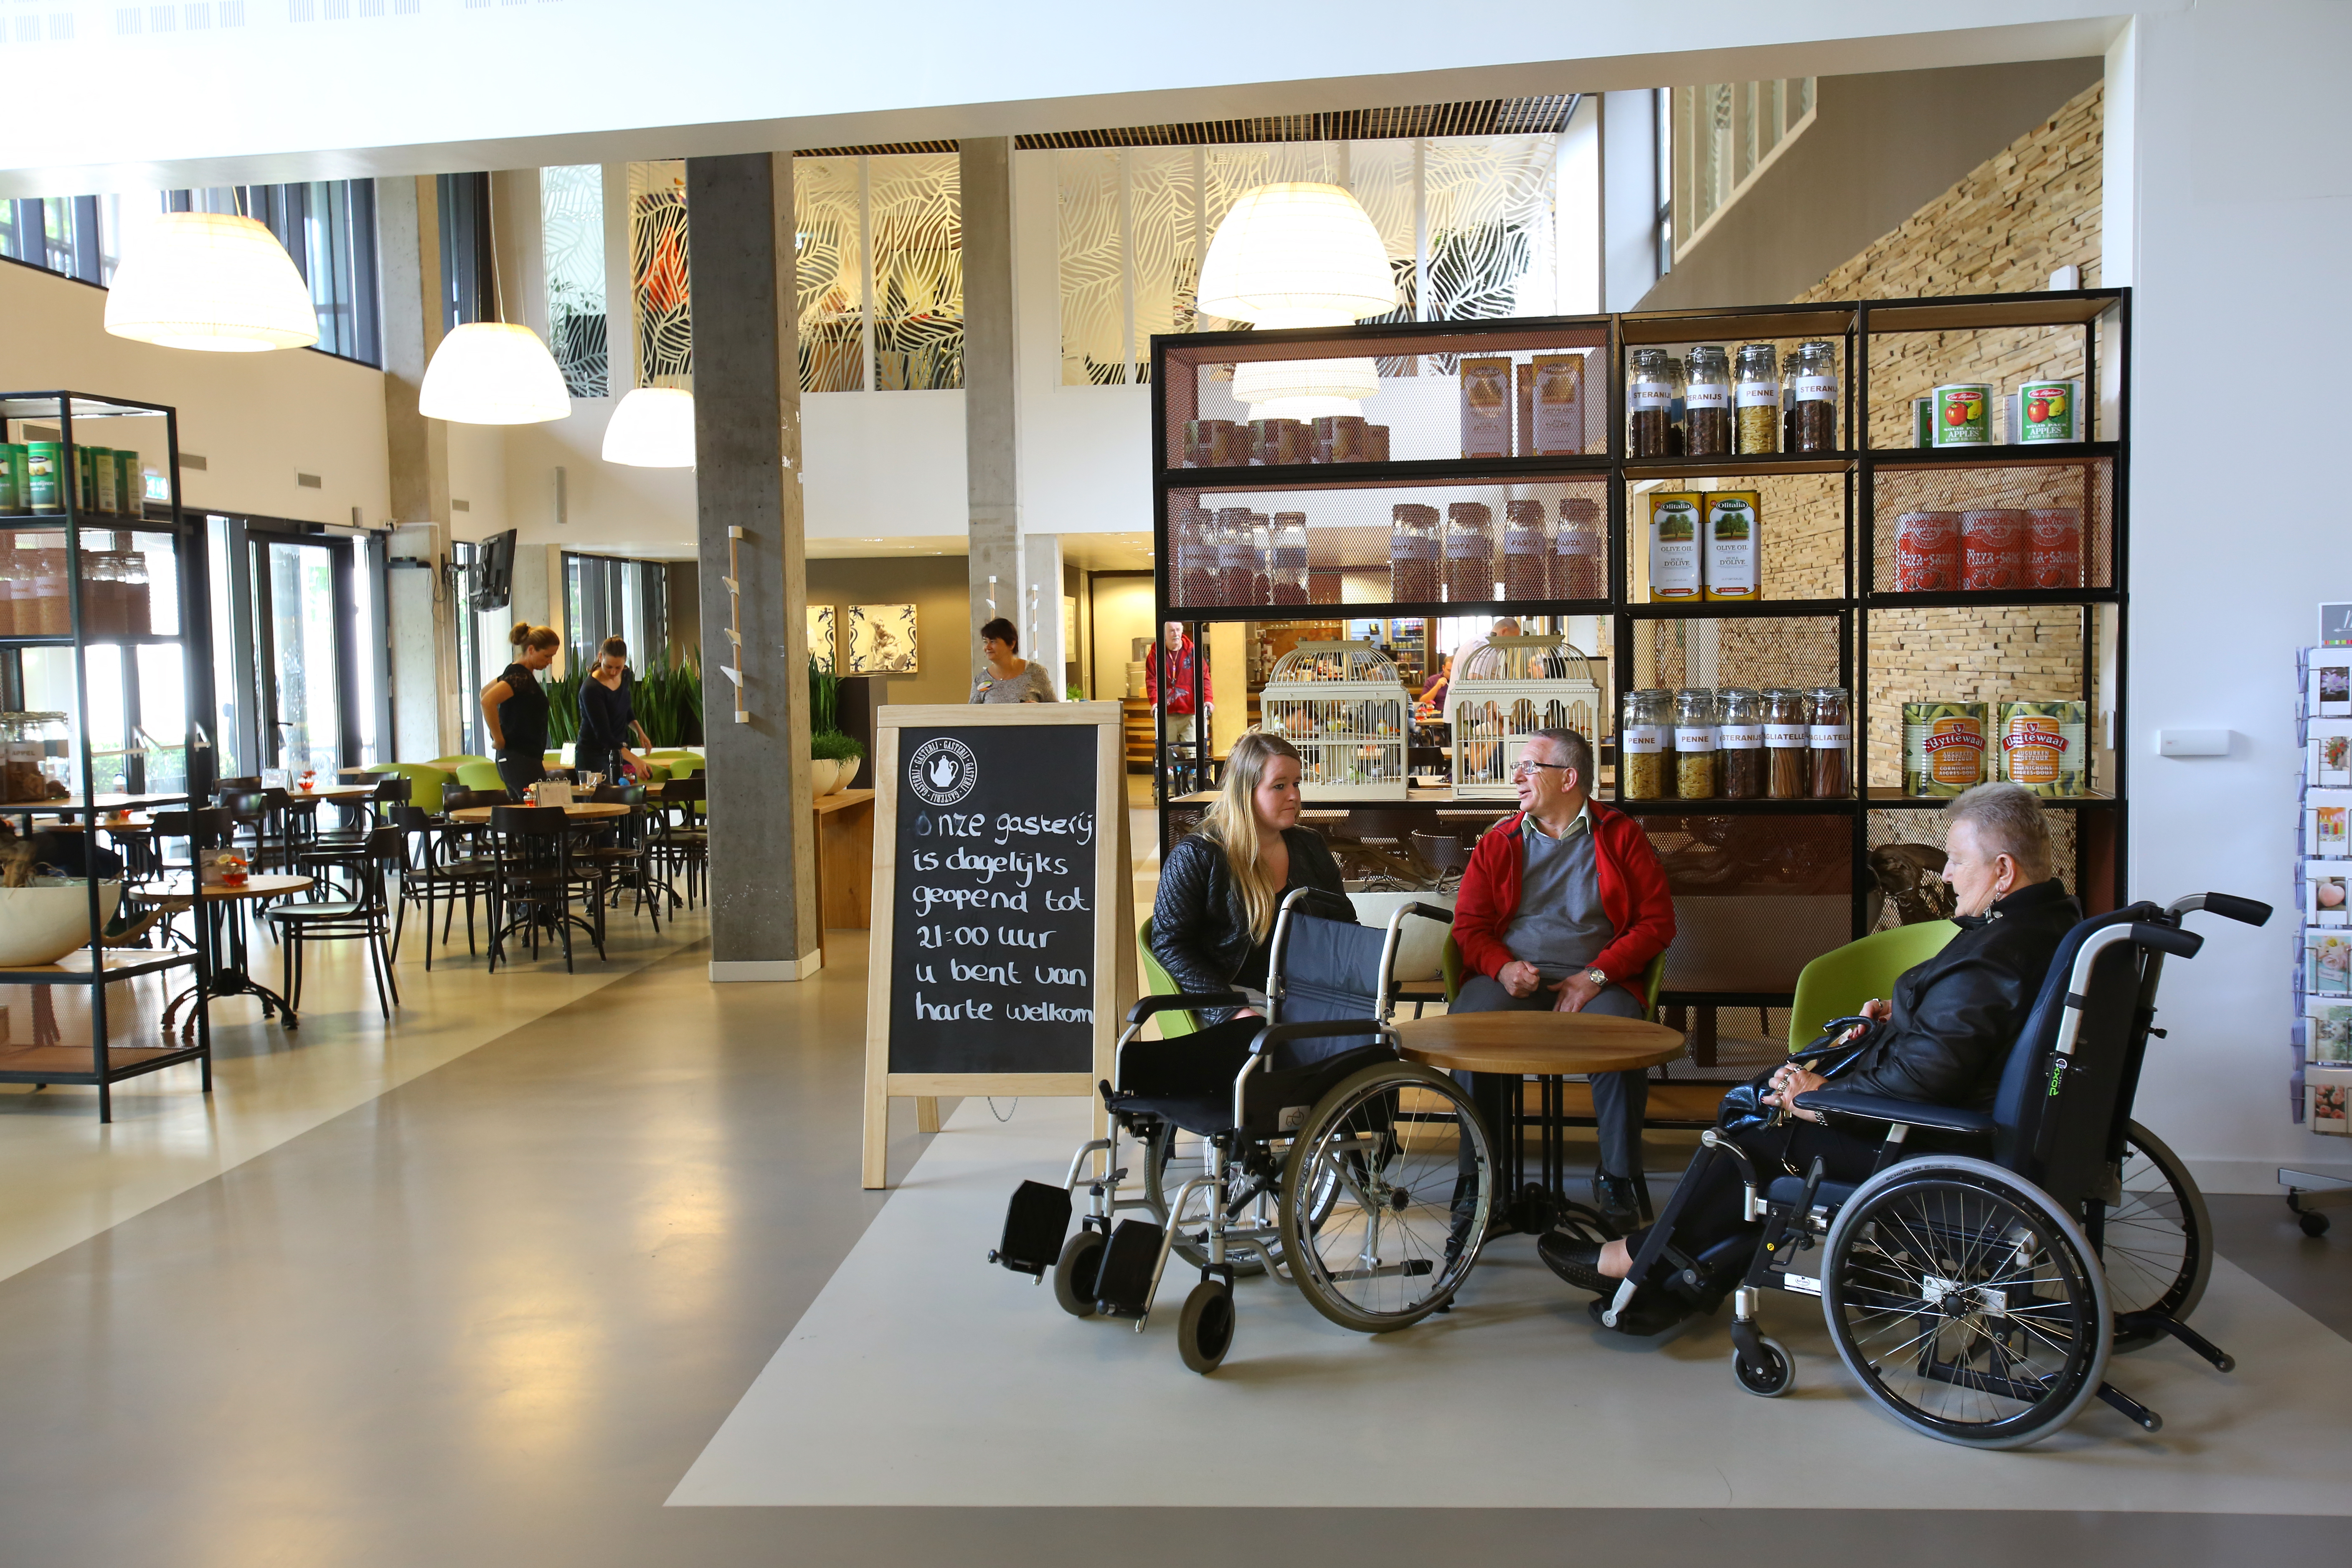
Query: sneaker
[[1578, 1262], [1613, 1196], [1653, 1314]]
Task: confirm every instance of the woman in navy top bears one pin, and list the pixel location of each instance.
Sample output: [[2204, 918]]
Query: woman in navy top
[[607, 716]]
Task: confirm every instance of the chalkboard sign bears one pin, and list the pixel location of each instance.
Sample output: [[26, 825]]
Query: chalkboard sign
[[1002, 950]]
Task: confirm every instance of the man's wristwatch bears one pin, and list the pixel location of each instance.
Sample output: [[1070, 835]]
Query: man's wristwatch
[[1598, 976]]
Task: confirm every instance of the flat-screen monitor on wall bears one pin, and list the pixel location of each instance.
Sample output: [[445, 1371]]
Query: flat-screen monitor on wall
[[494, 571]]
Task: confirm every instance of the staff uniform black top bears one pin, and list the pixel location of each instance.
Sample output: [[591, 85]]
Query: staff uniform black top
[[605, 716], [522, 717], [1200, 927]]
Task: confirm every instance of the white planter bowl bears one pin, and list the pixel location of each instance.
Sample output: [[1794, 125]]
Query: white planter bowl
[[42, 923], [823, 772]]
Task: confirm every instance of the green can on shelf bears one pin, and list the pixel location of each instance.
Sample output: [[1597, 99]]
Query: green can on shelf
[[13, 499], [1963, 414], [129, 483], [43, 463], [1923, 421], [2050, 411]]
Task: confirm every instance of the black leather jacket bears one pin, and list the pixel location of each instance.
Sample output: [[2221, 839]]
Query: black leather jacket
[[1200, 930], [1956, 1015]]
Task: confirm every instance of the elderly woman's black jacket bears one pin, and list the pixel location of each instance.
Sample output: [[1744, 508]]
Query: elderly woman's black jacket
[[1200, 927], [1957, 1014]]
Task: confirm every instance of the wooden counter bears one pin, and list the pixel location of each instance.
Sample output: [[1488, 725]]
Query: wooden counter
[[844, 858]]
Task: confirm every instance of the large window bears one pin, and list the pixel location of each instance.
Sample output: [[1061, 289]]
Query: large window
[[468, 271], [328, 227], [1721, 135], [78, 236], [610, 597]]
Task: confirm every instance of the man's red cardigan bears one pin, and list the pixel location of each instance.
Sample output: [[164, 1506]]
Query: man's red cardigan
[[1633, 895]]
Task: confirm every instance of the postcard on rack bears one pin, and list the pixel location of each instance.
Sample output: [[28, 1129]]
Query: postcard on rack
[[2325, 888], [2327, 964], [2327, 1101], [2331, 754], [2326, 813], [2328, 1034], [2329, 694]]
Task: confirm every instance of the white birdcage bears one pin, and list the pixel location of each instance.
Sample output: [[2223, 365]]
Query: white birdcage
[[1505, 692], [1346, 709]]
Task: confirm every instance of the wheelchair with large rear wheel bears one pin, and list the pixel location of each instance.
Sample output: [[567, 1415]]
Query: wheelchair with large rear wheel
[[1978, 1295], [1299, 1144]]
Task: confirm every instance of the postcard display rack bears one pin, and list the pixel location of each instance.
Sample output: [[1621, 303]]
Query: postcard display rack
[[63, 521], [1487, 441], [2321, 1084]]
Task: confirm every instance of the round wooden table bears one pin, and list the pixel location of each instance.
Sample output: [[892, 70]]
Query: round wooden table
[[1549, 1047], [578, 811], [229, 974]]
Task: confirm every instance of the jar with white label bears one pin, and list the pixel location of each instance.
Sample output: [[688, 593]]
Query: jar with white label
[[1695, 744], [1787, 744], [1739, 743], [1756, 398], [1644, 741], [1469, 552], [1813, 394], [1653, 382], [1830, 718], [1413, 554], [1286, 558], [1706, 403], [1580, 552], [1527, 551]]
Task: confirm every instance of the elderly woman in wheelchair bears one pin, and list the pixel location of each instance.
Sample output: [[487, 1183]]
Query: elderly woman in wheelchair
[[1975, 1298]]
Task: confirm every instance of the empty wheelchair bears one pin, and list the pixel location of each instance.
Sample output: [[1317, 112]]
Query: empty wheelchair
[[1977, 1296], [1299, 1144]]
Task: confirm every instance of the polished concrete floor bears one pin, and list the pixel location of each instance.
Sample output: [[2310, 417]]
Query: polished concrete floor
[[484, 1292]]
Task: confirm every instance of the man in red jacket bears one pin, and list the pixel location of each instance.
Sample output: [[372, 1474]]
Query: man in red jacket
[[1563, 907]]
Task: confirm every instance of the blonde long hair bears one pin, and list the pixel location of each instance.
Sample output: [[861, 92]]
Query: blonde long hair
[[1231, 824]]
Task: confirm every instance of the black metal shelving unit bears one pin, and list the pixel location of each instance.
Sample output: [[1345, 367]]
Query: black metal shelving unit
[[1860, 327], [97, 968]]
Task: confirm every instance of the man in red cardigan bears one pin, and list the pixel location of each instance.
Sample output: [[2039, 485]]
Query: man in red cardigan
[[1563, 907]]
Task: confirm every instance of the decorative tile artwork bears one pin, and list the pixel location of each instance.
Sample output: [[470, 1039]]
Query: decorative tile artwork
[[823, 645], [882, 639]]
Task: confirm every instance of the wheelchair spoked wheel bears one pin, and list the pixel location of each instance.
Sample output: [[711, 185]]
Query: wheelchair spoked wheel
[[2156, 1245], [1966, 1302], [1379, 1225], [1173, 1157]]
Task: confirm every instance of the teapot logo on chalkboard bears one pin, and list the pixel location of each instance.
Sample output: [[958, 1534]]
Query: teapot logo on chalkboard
[[942, 770]]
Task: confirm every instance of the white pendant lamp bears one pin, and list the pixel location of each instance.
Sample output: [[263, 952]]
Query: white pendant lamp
[[212, 282], [493, 372], [1297, 254], [652, 427], [1295, 383]]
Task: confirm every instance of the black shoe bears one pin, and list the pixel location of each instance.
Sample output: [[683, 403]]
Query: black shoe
[[1613, 1196], [1578, 1262], [1653, 1314]]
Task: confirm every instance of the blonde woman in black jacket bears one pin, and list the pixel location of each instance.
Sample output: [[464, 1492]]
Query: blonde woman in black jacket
[[1212, 922]]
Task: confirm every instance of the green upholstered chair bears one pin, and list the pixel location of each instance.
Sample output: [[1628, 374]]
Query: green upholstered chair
[[479, 775], [1652, 978], [451, 764], [1157, 981], [1839, 981], [426, 783]]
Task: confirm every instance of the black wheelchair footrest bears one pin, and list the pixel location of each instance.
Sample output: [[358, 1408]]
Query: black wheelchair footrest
[[2131, 1409], [1123, 1287], [1033, 1227]]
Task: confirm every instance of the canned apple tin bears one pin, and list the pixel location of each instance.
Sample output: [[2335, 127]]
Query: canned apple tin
[[1927, 553], [2050, 411], [1963, 414]]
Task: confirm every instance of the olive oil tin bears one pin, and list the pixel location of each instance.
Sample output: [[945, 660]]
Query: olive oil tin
[[1734, 545], [1943, 747], [1677, 518]]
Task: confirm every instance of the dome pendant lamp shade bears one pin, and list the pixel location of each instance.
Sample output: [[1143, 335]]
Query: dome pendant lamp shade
[[1296, 255], [652, 427], [492, 372], [1282, 380], [212, 282]]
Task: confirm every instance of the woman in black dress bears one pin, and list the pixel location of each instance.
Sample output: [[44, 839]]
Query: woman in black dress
[[607, 715], [514, 706]]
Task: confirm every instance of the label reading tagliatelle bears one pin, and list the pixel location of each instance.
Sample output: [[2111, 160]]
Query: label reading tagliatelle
[[1788, 737]]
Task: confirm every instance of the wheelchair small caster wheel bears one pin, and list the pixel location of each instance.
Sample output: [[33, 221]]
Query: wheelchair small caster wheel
[[1204, 1331], [2313, 1222], [1775, 1378], [1074, 1274]]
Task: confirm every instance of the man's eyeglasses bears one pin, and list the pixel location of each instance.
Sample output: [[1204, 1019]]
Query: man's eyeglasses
[[1526, 765]]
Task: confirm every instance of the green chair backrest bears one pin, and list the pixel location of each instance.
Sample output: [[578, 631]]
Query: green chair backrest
[[1157, 981], [683, 766], [479, 775], [1652, 978], [426, 781], [1839, 981]]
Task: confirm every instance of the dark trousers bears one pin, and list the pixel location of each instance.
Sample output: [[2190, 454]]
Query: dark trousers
[[1619, 1098], [520, 771], [1712, 1213]]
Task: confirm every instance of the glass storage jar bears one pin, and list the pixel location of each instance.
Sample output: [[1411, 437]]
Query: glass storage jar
[[1653, 382], [1831, 723], [138, 594], [1469, 552], [1695, 744], [1235, 564], [1413, 554], [1813, 385], [1787, 744], [1739, 743], [1527, 551], [1644, 741], [1579, 551], [1286, 558], [1195, 548], [1706, 403], [1755, 397]]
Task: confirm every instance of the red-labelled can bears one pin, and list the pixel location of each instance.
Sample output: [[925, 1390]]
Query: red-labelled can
[[2054, 557], [1927, 553], [1992, 550]]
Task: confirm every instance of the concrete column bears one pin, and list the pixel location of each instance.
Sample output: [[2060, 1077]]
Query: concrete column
[[424, 658], [1040, 588], [747, 432], [991, 468]]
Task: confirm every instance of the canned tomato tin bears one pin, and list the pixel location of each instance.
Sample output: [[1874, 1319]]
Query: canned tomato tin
[[2054, 555], [1963, 414], [2049, 411], [1992, 550], [1943, 747], [1927, 553]]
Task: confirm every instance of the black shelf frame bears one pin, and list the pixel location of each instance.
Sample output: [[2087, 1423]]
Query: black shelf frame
[[1856, 324], [112, 1063]]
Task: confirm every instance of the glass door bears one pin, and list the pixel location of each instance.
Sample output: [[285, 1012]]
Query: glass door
[[297, 586]]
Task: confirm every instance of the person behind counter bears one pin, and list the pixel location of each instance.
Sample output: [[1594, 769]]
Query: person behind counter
[[1943, 1039], [608, 716], [1212, 924], [1007, 677], [514, 707], [1563, 907]]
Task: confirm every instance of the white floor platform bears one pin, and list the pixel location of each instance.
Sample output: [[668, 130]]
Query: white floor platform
[[923, 1377]]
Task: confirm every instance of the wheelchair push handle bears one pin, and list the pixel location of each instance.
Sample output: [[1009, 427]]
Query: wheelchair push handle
[[2228, 906], [2166, 939], [1437, 912], [1150, 1004]]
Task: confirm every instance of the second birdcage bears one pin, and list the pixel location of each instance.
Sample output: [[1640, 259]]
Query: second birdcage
[[1346, 709], [1505, 692]]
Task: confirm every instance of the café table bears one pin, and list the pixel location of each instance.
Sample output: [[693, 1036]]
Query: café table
[[1549, 1047], [578, 811], [71, 805], [229, 973]]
